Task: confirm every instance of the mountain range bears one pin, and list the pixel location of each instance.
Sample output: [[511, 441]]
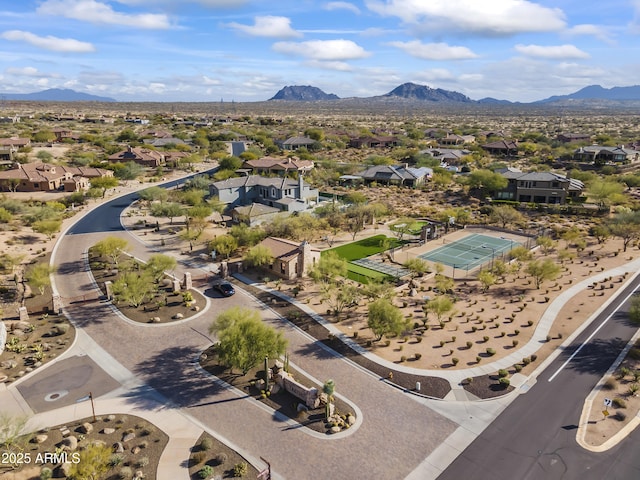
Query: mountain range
[[593, 95], [56, 95]]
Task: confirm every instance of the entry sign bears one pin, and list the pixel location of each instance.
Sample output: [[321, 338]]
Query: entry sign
[[607, 402]]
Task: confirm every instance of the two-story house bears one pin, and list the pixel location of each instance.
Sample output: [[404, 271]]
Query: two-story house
[[285, 194], [601, 154], [539, 187], [278, 166]]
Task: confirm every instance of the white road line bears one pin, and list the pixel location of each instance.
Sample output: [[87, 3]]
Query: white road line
[[591, 336]]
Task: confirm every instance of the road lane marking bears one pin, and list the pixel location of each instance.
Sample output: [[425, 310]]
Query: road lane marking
[[615, 310]]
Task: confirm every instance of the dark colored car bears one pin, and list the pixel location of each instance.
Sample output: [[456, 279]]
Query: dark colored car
[[225, 288]]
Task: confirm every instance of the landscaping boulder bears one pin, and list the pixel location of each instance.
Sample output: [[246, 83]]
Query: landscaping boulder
[[118, 447], [40, 438], [85, 428], [108, 431], [127, 437], [70, 443]]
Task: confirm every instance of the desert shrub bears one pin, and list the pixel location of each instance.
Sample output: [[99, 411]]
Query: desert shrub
[[46, 473], [633, 388], [634, 353], [610, 384], [206, 444], [619, 403], [240, 469], [485, 339], [125, 473], [533, 357], [623, 372], [455, 360], [491, 351], [199, 457], [115, 460], [514, 343], [478, 359], [469, 345], [530, 322], [620, 416], [504, 381], [206, 471], [526, 360], [503, 373], [418, 339], [221, 459], [517, 367], [142, 462], [403, 358], [417, 356]]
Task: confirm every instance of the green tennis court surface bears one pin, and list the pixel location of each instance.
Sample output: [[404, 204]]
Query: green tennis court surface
[[471, 251]]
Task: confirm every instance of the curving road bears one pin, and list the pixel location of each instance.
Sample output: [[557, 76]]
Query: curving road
[[535, 437], [397, 432]]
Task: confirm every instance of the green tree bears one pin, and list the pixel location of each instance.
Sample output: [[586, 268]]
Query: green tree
[[194, 231], [329, 268], [634, 309], [259, 256], [244, 340], [506, 215], [486, 279], [443, 283], [12, 437], [154, 194], [546, 244], [93, 464], [112, 247], [385, 318], [39, 276], [600, 232], [625, 226], [486, 181], [134, 288], [543, 270], [168, 210], [158, 264], [605, 192], [47, 227], [104, 183], [416, 266], [230, 163], [128, 171], [5, 215], [224, 245], [521, 254], [439, 306]]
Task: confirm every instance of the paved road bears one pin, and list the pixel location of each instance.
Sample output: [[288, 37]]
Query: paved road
[[535, 437], [397, 431]]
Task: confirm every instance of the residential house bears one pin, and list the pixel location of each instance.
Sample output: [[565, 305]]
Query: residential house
[[15, 142], [573, 137], [7, 154], [45, 177], [63, 134], [454, 139], [539, 187], [278, 166], [295, 143], [254, 214], [141, 156], [505, 148], [601, 154], [373, 142], [290, 259], [448, 156], [285, 194], [396, 175]]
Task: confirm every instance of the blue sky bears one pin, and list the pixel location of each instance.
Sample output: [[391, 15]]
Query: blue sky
[[244, 50]]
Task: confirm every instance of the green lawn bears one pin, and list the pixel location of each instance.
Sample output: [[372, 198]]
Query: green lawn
[[415, 227], [363, 248]]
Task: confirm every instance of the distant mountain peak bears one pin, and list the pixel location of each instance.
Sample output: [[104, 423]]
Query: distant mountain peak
[[414, 91], [57, 95], [597, 92], [303, 93]]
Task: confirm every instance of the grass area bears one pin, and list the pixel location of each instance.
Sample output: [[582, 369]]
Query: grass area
[[362, 274], [365, 247]]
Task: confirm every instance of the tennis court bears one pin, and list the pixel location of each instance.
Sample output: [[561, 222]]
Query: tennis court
[[471, 251]]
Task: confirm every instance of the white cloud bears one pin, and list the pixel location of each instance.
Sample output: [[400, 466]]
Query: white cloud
[[323, 50], [49, 42], [434, 51], [176, 3], [487, 17], [591, 30], [268, 26], [558, 52], [342, 6], [334, 65], [101, 13], [29, 72]]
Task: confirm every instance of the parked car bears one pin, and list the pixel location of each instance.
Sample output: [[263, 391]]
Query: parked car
[[225, 288]]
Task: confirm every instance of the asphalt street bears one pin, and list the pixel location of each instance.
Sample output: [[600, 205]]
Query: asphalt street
[[535, 437]]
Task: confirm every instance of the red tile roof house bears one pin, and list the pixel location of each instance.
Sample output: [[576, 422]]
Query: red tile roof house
[[141, 156], [45, 177], [290, 259]]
